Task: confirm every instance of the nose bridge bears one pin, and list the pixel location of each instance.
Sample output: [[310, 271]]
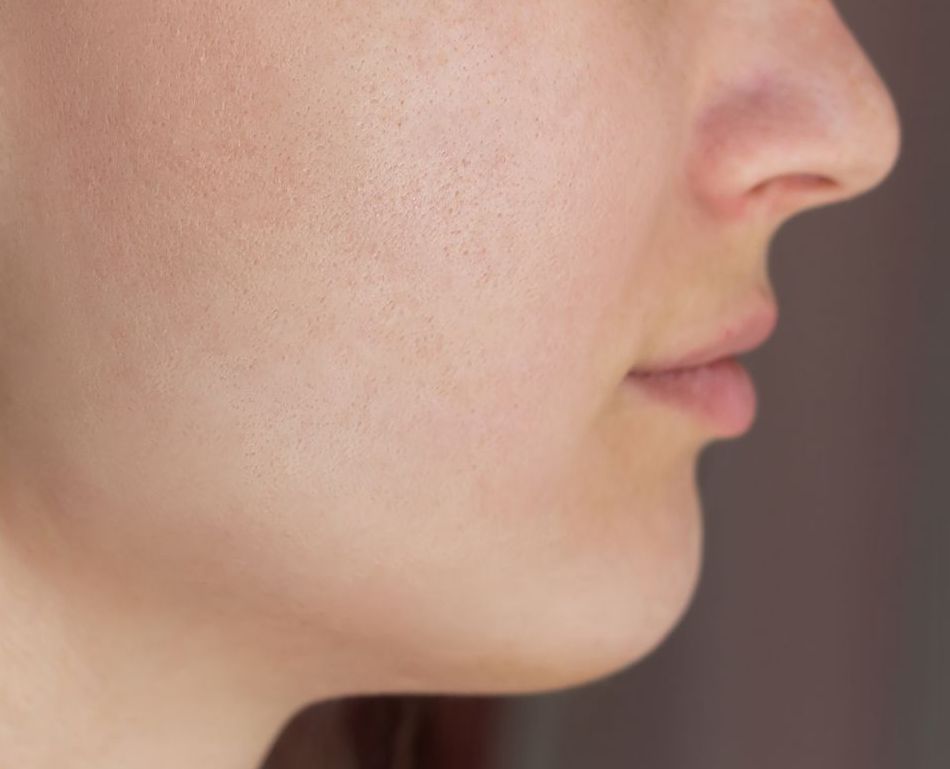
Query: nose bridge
[[791, 114]]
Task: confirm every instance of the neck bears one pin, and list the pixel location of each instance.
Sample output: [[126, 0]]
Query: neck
[[90, 677]]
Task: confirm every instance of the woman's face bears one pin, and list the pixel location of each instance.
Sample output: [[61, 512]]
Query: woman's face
[[315, 316]]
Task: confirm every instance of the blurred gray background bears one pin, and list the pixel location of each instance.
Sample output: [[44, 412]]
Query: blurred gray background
[[819, 636]]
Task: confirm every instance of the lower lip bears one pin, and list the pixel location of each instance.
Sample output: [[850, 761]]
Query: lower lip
[[721, 394]]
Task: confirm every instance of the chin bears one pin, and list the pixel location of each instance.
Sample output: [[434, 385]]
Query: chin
[[558, 657], [599, 653], [600, 599]]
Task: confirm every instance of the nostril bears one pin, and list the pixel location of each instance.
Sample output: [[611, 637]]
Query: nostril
[[796, 183], [791, 192]]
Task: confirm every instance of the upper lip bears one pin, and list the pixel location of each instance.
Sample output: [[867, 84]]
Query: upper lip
[[733, 337]]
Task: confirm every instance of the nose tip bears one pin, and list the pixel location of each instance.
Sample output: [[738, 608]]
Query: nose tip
[[802, 119], [883, 137]]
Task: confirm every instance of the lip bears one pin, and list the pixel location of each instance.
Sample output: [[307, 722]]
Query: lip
[[721, 394], [708, 382], [737, 337]]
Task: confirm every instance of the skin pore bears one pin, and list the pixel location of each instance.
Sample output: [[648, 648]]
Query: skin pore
[[314, 318]]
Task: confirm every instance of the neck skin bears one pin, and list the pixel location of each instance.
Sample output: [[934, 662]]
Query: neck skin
[[90, 677]]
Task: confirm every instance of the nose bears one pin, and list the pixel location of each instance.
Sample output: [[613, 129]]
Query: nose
[[791, 114]]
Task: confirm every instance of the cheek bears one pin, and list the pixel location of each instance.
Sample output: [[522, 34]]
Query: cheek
[[162, 152], [488, 287], [198, 186], [344, 285]]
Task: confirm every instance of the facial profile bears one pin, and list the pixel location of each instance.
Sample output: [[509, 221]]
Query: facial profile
[[316, 319]]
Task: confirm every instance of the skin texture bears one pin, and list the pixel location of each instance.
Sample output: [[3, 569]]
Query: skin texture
[[313, 322]]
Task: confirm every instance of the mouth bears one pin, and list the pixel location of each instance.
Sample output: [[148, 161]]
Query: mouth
[[707, 381]]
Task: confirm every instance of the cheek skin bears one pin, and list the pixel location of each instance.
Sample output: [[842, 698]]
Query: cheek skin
[[352, 314]]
